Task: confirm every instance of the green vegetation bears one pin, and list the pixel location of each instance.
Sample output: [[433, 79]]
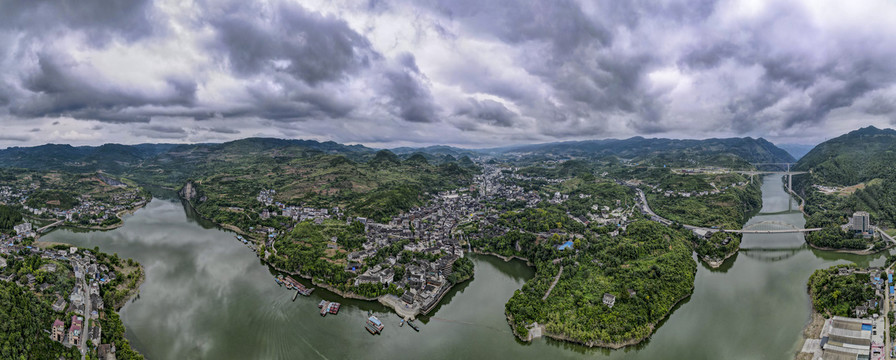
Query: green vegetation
[[461, 271], [651, 260], [24, 323], [718, 246], [304, 251], [545, 217], [863, 160], [378, 189], [836, 295], [113, 333], [50, 199], [728, 209], [9, 217]]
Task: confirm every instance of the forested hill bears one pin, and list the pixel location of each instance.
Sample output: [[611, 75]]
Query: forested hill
[[671, 152], [853, 158]]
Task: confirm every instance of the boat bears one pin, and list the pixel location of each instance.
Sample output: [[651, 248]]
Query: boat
[[401, 323], [322, 304], [325, 308], [333, 308], [374, 325], [413, 326]]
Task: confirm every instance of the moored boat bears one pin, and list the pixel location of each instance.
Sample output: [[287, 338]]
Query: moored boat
[[374, 325], [334, 307]]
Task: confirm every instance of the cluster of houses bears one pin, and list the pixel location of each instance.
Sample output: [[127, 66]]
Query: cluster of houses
[[84, 299], [95, 212], [296, 213], [492, 184], [423, 230]]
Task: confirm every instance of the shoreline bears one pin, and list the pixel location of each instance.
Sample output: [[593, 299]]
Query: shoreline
[[812, 330], [715, 264], [117, 225], [502, 257], [848, 251], [132, 293]]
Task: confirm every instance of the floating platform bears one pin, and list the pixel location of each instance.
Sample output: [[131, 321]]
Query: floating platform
[[374, 325]]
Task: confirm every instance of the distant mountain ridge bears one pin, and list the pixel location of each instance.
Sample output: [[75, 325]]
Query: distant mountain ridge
[[116, 158], [659, 150]]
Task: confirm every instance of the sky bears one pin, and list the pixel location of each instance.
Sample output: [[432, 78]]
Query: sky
[[468, 73]]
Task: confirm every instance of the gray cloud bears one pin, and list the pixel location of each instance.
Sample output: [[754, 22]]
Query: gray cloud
[[408, 92], [56, 89], [458, 71], [488, 111], [288, 38], [100, 20], [16, 138]]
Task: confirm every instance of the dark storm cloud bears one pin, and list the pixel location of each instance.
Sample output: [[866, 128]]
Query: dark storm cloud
[[57, 89], [223, 130], [157, 131], [288, 38], [408, 93], [164, 129], [488, 111]]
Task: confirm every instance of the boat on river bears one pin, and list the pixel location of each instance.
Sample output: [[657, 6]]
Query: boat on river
[[374, 326]]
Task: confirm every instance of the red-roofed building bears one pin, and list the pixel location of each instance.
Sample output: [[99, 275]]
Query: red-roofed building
[[75, 332], [58, 330]]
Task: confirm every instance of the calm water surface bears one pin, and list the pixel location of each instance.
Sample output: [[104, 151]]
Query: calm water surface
[[207, 296]]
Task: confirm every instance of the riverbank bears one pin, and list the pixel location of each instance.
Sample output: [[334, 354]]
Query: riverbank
[[810, 332], [715, 264], [849, 251], [542, 331], [502, 257]]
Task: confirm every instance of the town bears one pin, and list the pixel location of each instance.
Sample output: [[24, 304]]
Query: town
[[414, 255]]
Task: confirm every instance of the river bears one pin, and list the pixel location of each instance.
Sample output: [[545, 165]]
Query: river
[[206, 296]]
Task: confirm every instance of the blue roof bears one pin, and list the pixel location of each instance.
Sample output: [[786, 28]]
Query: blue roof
[[375, 320], [891, 289], [866, 327], [565, 245], [889, 278]]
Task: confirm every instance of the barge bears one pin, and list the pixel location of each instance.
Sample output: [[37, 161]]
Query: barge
[[374, 326]]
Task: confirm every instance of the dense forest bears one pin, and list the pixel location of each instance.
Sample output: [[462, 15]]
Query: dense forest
[[651, 260], [729, 209], [9, 217]]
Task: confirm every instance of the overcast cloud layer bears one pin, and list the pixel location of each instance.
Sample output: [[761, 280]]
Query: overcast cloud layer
[[471, 73]]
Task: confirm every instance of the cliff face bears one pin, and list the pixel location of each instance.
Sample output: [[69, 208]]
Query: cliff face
[[188, 192]]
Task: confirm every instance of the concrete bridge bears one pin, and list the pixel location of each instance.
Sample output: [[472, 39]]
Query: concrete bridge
[[48, 227], [786, 172], [770, 227]]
